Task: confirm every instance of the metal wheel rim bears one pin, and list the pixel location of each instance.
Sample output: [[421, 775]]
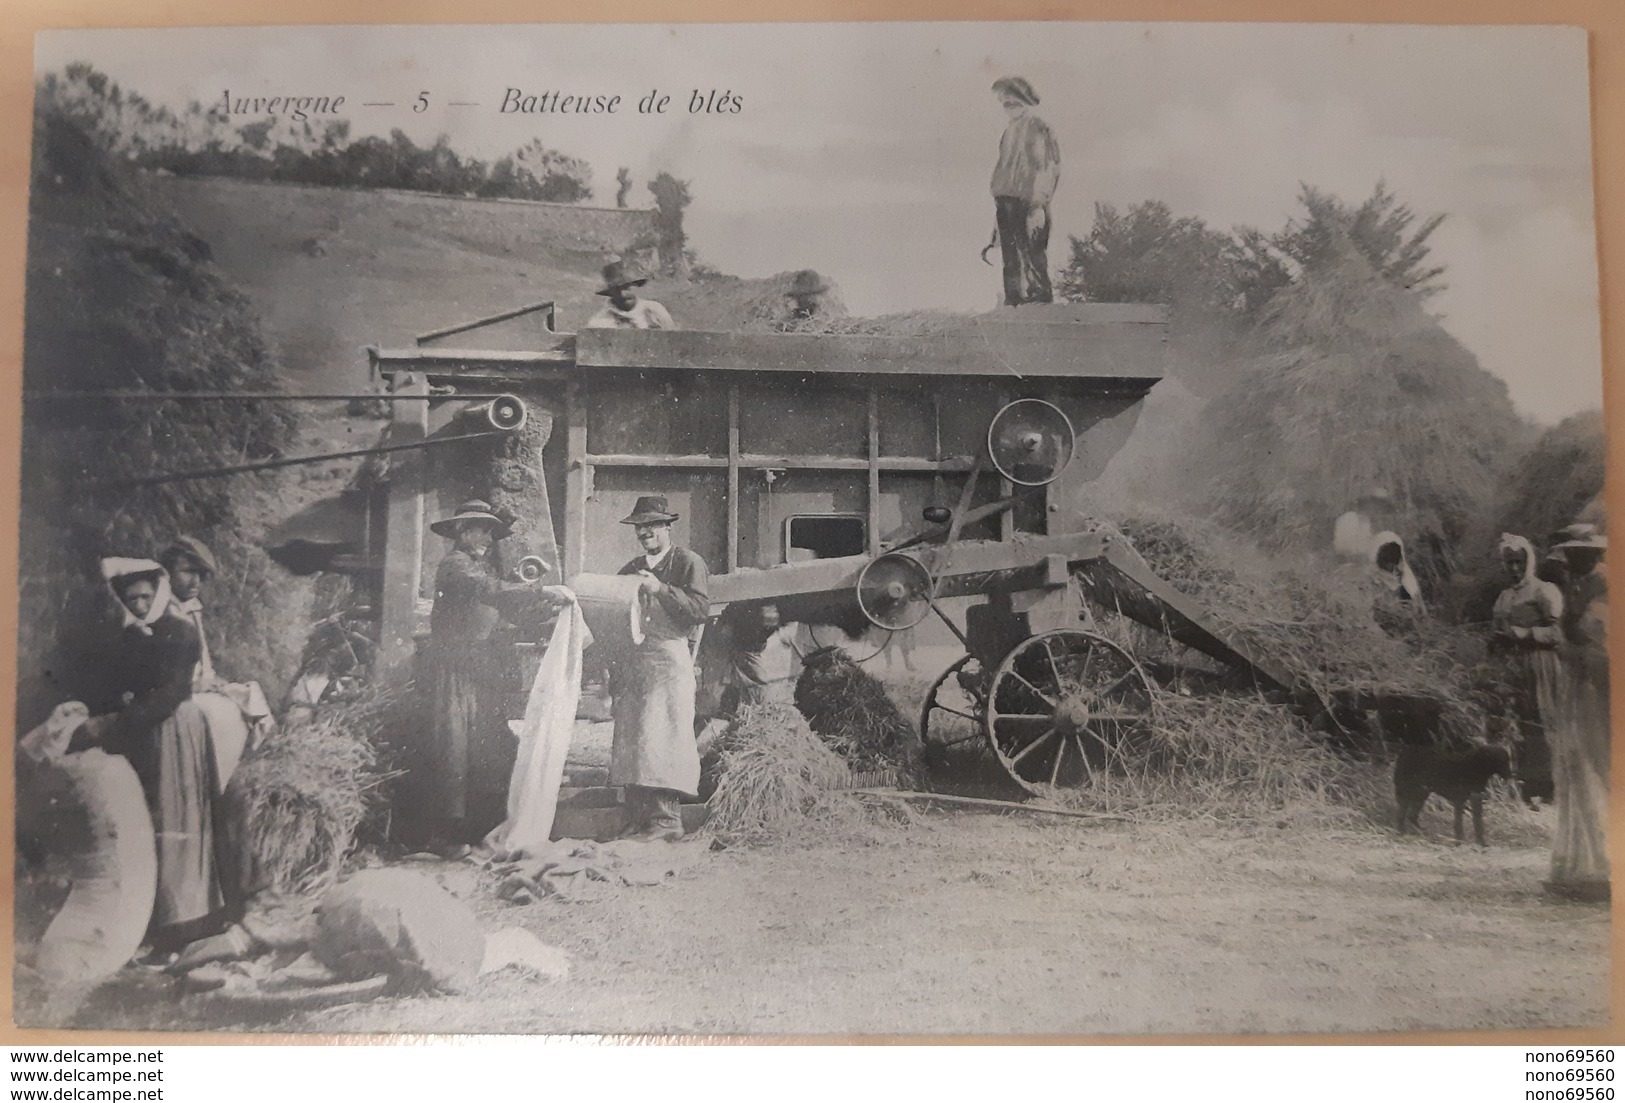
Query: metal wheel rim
[[1061, 730], [931, 705]]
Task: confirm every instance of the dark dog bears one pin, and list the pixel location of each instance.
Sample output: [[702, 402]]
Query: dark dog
[[1460, 778]]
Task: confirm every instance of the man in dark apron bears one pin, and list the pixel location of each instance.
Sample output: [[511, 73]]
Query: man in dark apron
[[654, 755]]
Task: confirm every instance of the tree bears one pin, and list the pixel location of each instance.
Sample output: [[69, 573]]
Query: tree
[[552, 176], [671, 199], [623, 186], [202, 140], [1379, 229], [1146, 255], [1256, 269]]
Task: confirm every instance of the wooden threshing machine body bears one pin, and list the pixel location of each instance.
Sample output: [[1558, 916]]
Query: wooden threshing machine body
[[779, 450]]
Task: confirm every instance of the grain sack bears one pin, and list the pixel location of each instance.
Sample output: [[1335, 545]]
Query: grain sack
[[398, 923], [544, 741], [610, 604], [88, 872]]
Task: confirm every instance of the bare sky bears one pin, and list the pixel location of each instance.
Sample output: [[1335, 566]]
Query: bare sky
[[864, 150]]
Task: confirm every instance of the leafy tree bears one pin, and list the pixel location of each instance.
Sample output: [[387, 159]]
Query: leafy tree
[[1256, 270], [551, 175], [1379, 229], [671, 199], [1147, 255], [201, 140]]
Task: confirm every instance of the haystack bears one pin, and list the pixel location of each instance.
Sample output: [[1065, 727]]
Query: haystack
[[746, 305], [1555, 481], [1358, 388], [851, 711], [304, 790], [774, 775]]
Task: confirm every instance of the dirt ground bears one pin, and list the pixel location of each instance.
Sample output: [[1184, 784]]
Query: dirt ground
[[973, 923]]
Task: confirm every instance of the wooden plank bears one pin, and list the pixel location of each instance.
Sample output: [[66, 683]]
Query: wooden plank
[[987, 804], [1193, 625], [1076, 314], [653, 459], [733, 477], [756, 461], [561, 350], [590, 796], [1007, 519], [1118, 351], [873, 459], [577, 475], [403, 530], [978, 566], [607, 823], [496, 377]]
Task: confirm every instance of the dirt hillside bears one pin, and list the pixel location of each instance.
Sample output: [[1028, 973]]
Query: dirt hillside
[[332, 270]]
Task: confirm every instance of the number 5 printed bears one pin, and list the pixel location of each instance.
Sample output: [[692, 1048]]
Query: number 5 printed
[[422, 103]]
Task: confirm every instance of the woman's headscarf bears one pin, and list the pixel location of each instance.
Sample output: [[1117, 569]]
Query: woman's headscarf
[[116, 569], [1403, 579], [1512, 542]]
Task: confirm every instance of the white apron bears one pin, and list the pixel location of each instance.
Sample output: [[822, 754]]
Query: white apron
[[653, 711]]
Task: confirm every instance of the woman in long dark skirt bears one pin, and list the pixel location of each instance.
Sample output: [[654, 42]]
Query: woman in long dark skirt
[[149, 666], [468, 759]]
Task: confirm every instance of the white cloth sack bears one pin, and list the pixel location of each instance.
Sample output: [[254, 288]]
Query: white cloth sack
[[610, 603], [544, 741], [50, 739]]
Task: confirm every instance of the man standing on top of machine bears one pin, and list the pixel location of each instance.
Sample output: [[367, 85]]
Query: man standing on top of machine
[[654, 753], [624, 309], [1024, 180]]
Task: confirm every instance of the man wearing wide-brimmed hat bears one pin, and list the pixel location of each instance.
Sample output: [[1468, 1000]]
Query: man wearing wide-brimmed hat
[[1024, 180], [1580, 739], [654, 754], [464, 771], [624, 309]]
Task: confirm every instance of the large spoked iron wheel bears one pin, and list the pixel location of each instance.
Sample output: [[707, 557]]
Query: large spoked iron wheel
[[952, 711], [1062, 706]]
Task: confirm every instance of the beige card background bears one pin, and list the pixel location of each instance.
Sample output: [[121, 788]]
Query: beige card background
[[1603, 19]]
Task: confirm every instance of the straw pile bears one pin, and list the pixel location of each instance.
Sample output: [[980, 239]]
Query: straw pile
[[304, 790], [1332, 626], [775, 776], [852, 712], [911, 323], [1240, 760], [1236, 758], [741, 304]]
